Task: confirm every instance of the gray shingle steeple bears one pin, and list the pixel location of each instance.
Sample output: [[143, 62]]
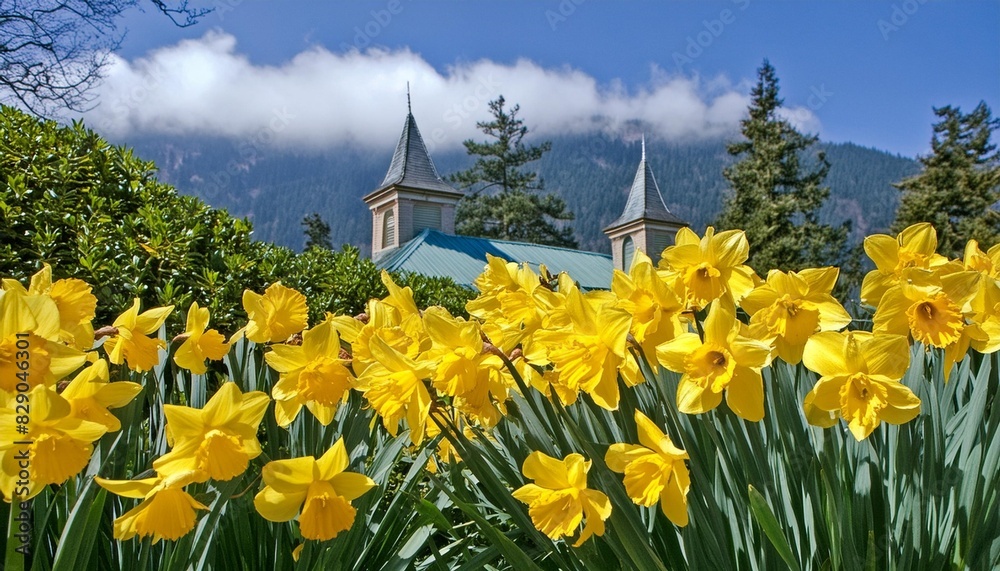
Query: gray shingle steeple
[[644, 199], [411, 166], [412, 197]]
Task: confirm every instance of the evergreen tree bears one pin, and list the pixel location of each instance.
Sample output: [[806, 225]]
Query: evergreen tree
[[777, 190], [959, 187], [505, 202], [317, 232]]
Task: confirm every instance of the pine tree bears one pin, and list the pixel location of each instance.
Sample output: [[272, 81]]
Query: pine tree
[[505, 202], [777, 189], [317, 232], [959, 187]]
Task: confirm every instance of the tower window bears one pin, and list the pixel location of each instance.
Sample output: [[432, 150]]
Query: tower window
[[628, 252], [659, 241], [388, 229], [426, 216]]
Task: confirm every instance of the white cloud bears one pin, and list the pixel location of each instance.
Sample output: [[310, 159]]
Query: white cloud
[[320, 98]]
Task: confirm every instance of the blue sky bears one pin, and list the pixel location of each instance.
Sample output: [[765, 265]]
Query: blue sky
[[861, 71]]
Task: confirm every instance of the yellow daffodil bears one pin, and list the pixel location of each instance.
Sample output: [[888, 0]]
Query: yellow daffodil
[[399, 297], [478, 381], [725, 360], [199, 344], [655, 308], [457, 351], [90, 395], [76, 303], [630, 371], [932, 309], [790, 307], [166, 511], [47, 361], [655, 471], [513, 303], [218, 440], [859, 381], [988, 265], [321, 489], [486, 403], [499, 274], [394, 386], [587, 354], [274, 316], [988, 338], [31, 335], [914, 247], [129, 343], [559, 499], [404, 334], [935, 308], [23, 312], [57, 445], [710, 267], [981, 329], [312, 375]]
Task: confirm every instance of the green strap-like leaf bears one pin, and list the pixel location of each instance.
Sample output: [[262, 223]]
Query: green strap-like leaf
[[870, 560], [514, 554], [765, 518], [80, 533]]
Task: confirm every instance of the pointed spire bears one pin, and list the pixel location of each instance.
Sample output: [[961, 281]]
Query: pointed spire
[[409, 108], [644, 199], [411, 165]]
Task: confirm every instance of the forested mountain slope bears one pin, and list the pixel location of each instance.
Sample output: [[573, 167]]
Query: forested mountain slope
[[593, 173]]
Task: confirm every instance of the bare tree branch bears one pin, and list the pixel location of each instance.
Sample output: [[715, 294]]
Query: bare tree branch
[[53, 52]]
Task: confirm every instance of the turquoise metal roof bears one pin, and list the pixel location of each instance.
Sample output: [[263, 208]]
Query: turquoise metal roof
[[462, 258]]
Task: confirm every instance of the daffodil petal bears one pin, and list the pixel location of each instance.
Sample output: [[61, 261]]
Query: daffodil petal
[[693, 398], [351, 485], [127, 488], [745, 394], [674, 353], [887, 355], [290, 476], [546, 471], [333, 461], [824, 354], [278, 506], [673, 498]]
